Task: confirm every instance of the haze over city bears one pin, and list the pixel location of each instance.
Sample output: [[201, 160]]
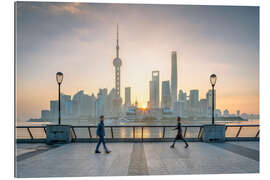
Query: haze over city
[[79, 40]]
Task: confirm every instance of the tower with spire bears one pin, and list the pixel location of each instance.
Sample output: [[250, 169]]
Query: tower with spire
[[117, 62]]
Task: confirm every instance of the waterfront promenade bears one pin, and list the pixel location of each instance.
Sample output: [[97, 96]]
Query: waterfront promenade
[[148, 158]]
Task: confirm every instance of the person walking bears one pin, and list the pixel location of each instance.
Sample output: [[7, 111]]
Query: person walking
[[101, 133], [179, 133]]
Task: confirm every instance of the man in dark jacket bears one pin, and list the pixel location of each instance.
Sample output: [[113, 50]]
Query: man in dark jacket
[[179, 133], [101, 133]]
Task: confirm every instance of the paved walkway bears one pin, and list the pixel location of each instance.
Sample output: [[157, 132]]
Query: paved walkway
[[79, 159]]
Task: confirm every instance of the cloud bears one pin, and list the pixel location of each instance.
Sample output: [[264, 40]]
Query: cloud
[[56, 9]]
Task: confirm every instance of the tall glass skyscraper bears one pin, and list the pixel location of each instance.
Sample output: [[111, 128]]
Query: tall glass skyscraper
[[166, 95], [154, 90], [174, 77]]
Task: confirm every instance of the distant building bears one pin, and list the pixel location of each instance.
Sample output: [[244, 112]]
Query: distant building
[[182, 96], [92, 105], [45, 115], [238, 113], [68, 108], [111, 107], [173, 77], [136, 104], [103, 91], [65, 102], [218, 113], [154, 90], [99, 105], [117, 100], [194, 107], [54, 109], [127, 96], [165, 95], [194, 97], [179, 108], [203, 108], [226, 113], [83, 101], [75, 108], [166, 111]]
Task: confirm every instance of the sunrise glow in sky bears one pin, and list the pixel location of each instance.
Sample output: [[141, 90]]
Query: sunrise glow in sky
[[79, 40]]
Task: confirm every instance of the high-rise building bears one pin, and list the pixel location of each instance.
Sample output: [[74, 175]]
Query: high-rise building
[[226, 113], [179, 108], [92, 105], [154, 90], [111, 97], [217, 113], [104, 93], [45, 115], [174, 77], [75, 108], [68, 108], [117, 62], [182, 96], [194, 97], [165, 95], [194, 107], [65, 99], [127, 96], [82, 104], [203, 108], [99, 105], [238, 113], [54, 109]]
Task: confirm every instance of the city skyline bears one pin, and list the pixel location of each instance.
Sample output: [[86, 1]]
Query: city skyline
[[82, 105], [237, 83]]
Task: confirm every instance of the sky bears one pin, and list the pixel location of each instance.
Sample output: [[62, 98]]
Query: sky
[[79, 40]]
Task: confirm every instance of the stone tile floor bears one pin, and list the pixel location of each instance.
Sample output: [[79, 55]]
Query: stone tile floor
[[79, 159]]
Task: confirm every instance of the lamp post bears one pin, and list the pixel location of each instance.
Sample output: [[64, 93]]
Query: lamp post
[[59, 79], [213, 79]]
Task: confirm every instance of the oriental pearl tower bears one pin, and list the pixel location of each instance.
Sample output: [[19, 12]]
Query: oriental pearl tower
[[117, 62]]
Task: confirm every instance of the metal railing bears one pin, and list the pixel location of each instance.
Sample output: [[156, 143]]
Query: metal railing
[[137, 133]]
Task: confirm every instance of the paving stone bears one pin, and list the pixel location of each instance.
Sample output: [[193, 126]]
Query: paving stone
[[148, 158]]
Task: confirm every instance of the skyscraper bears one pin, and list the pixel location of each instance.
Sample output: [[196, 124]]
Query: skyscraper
[[127, 96], [84, 103], [117, 62], [54, 109], [194, 97], [238, 113], [65, 104], [203, 107], [194, 102], [99, 105], [226, 113], [182, 96], [166, 95], [174, 77], [154, 90]]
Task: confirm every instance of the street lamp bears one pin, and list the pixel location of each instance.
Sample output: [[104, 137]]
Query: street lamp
[[213, 79], [59, 79]]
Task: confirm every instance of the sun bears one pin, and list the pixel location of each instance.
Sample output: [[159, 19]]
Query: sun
[[144, 106]]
